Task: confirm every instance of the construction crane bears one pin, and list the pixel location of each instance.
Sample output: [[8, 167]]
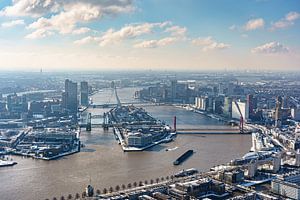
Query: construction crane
[[241, 116]]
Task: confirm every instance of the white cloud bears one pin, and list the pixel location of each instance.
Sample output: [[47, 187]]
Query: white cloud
[[287, 21], [271, 48], [130, 31], [176, 31], [232, 27], [81, 30], [38, 8], [13, 23], [254, 24], [64, 16], [208, 44], [65, 22], [156, 43], [40, 33], [137, 30], [87, 40], [32, 8], [127, 32]]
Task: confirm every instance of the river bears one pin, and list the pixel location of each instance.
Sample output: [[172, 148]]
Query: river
[[103, 162]]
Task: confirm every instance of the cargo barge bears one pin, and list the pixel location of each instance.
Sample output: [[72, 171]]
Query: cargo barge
[[183, 157]]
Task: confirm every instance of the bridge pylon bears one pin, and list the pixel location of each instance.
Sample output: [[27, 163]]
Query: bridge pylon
[[89, 122], [105, 124]]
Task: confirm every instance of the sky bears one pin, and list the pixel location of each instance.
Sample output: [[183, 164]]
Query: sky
[[92, 35]]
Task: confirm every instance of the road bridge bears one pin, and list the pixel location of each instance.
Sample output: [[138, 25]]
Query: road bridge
[[113, 105], [208, 131]]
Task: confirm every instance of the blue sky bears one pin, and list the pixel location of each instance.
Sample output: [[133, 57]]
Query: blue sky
[[150, 34]]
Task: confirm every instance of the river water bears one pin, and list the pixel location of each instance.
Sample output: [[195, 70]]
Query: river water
[[103, 162]]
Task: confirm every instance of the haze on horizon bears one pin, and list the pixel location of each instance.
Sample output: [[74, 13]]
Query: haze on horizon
[[159, 35]]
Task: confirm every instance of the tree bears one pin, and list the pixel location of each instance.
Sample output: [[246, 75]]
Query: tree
[[146, 182], [117, 188], [135, 184], [151, 181], [54, 198], [167, 177], [157, 180], [77, 196], [104, 191], [172, 177], [70, 196], [123, 187], [140, 183], [111, 189], [129, 185], [162, 178], [62, 198], [83, 195], [98, 192]]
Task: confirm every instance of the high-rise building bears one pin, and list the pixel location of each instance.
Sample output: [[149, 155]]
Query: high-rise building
[[173, 90], [285, 102], [295, 113], [240, 108], [70, 101], [17, 104], [227, 110], [252, 104], [84, 93], [278, 111]]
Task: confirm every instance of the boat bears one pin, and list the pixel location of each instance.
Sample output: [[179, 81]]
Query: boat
[[183, 157], [171, 149], [186, 172], [7, 163]]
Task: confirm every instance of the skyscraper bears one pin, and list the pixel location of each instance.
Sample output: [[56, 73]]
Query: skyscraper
[[252, 105], [278, 111], [70, 101], [173, 90], [227, 111], [84, 93]]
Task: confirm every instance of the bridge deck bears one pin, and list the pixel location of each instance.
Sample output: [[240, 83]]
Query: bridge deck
[[208, 131]]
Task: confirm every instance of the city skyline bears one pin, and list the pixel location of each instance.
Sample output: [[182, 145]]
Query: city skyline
[[59, 35]]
